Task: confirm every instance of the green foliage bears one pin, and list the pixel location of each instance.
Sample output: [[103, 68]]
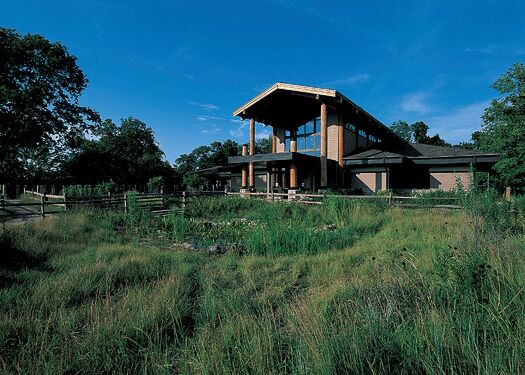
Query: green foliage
[[402, 129], [420, 135], [40, 118], [202, 157], [503, 128], [426, 293], [417, 132], [85, 191], [126, 154], [155, 184], [263, 145]]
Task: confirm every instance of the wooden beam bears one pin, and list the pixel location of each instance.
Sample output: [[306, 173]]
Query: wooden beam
[[252, 151], [293, 176], [244, 180], [341, 142], [324, 174]]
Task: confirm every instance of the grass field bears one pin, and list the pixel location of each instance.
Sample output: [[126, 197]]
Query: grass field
[[342, 288]]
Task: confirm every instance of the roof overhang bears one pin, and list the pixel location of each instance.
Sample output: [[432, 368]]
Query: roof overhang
[[443, 160], [378, 161], [272, 157], [291, 106]]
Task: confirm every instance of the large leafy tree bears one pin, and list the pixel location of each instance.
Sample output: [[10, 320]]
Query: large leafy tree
[[503, 128], [40, 117], [125, 154], [203, 157], [417, 132], [402, 129]]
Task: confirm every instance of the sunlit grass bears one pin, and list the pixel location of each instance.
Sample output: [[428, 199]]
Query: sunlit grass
[[403, 291]]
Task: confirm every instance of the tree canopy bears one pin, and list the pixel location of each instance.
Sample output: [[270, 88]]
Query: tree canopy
[[202, 157], [417, 132], [40, 117], [402, 129], [126, 154], [503, 127]]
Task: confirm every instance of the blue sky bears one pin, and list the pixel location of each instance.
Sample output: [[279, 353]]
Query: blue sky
[[184, 66]]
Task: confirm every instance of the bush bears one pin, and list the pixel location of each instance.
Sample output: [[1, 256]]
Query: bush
[[155, 184]]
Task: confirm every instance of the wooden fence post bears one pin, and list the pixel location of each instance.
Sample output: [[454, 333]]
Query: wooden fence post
[[183, 200], [126, 203], [2, 201], [508, 192], [43, 205], [390, 198], [65, 203]]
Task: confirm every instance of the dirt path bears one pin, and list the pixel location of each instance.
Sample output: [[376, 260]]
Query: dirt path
[[18, 214]]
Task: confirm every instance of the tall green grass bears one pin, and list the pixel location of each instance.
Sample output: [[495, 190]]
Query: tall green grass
[[419, 291], [275, 229]]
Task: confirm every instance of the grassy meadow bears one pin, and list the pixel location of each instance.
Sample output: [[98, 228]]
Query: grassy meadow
[[346, 287]]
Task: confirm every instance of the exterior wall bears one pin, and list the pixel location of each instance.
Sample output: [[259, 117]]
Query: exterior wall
[[280, 145], [332, 122], [349, 141], [446, 178], [361, 141], [369, 181]]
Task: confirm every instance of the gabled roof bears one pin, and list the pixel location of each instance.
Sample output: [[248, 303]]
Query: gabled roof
[[288, 87], [290, 106]]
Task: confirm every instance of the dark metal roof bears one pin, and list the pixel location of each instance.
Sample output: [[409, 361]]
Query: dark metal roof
[[420, 154], [271, 157]]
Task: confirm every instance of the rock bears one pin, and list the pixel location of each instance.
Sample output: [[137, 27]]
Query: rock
[[216, 249], [237, 248], [326, 228], [330, 227], [184, 245]]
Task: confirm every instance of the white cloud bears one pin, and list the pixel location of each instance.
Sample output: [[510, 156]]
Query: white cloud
[[348, 81], [415, 103], [457, 125], [263, 134], [206, 106], [512, 49], [238, 132], [212, 129], [206, 118]]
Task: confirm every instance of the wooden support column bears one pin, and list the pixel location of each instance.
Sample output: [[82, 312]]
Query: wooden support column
[[274, 150], [293, 166], [341, 144], [324, 174], [252, 151], [340, 151], [244, 171]]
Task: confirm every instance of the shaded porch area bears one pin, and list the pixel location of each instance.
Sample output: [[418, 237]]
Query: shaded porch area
[[284, 171]]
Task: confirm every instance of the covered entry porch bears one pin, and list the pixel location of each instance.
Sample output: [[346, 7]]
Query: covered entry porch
[[284, 171]]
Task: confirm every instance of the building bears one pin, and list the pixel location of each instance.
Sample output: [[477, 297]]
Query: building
[[321, 139]]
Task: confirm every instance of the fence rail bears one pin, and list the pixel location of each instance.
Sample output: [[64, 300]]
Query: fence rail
[[164, 203]]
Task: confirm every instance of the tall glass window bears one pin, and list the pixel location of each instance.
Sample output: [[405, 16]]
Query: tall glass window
[[307, 136]]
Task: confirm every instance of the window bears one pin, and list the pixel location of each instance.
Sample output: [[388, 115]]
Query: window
[[349, 126], [307, 137]]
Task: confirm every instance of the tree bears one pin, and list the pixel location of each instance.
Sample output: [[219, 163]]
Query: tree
[[420, 130], [126, 154], [40, 118], [263, 146], [420, 135], [503, 127], [402, 129], [202, 157]]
